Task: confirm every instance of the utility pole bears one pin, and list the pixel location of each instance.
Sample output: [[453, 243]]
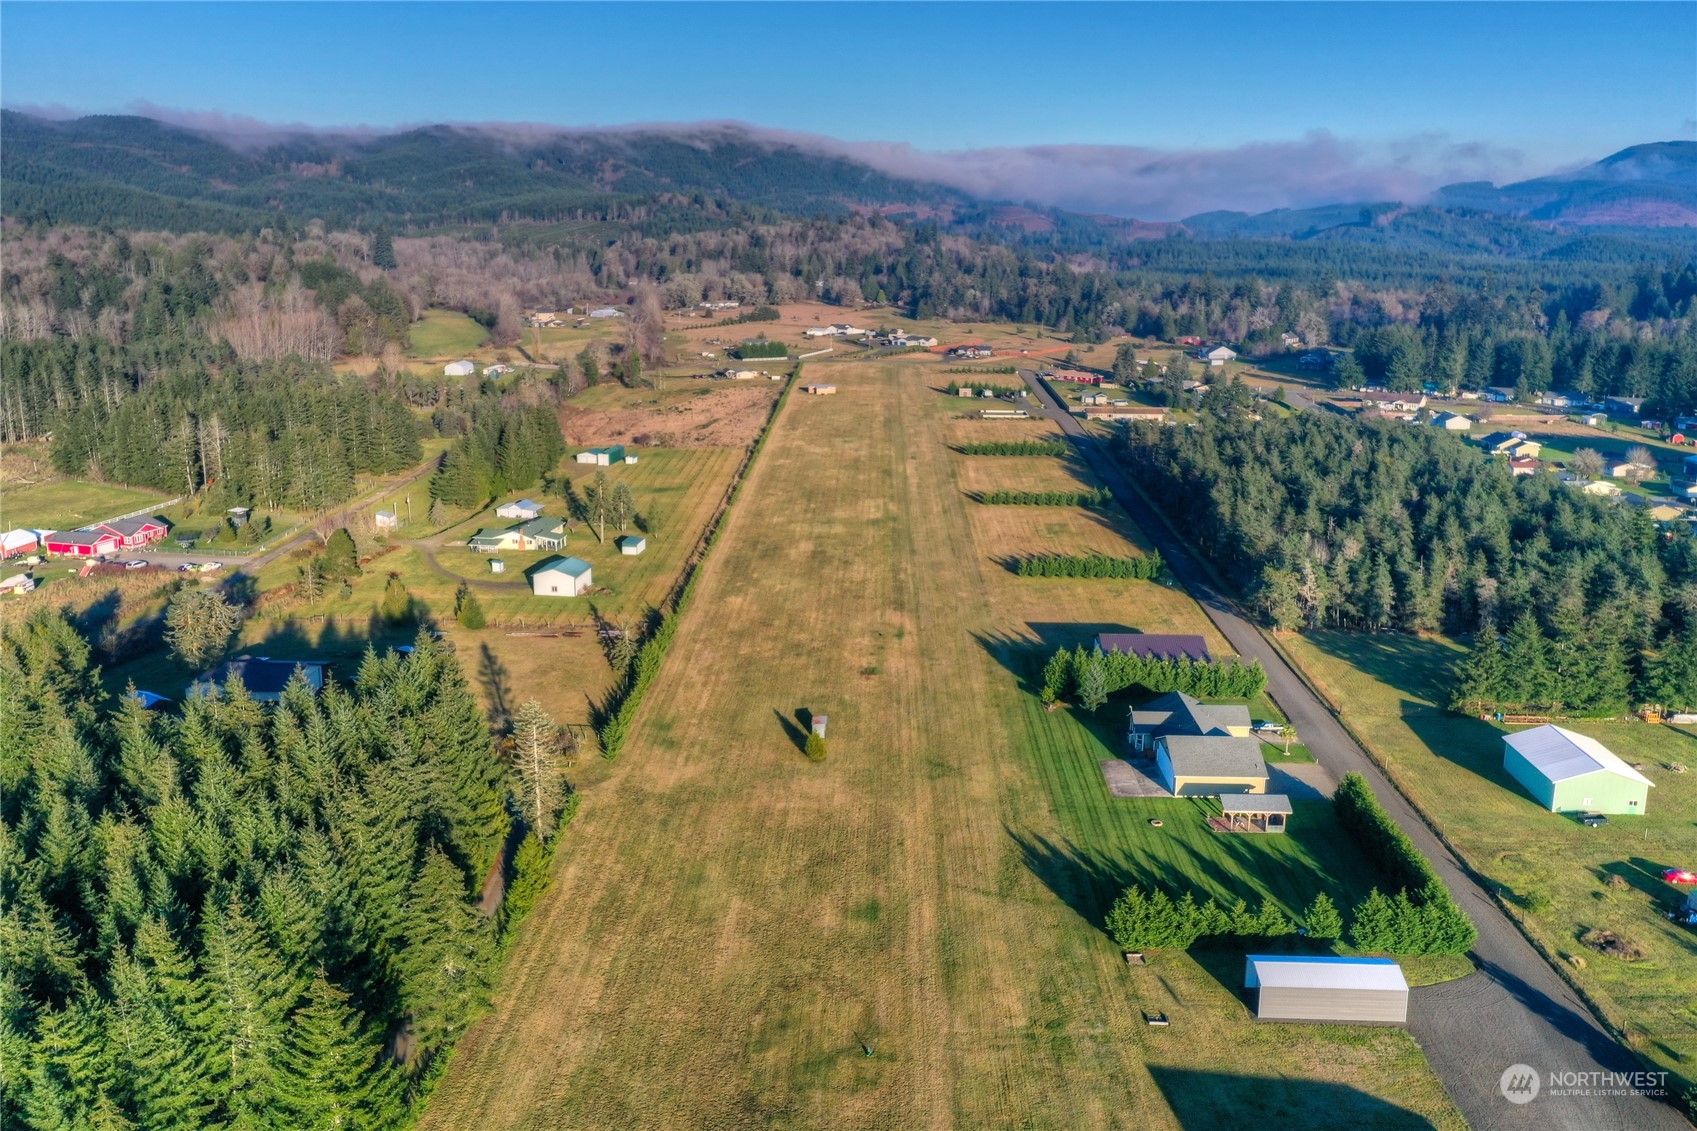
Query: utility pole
[[409, 510]]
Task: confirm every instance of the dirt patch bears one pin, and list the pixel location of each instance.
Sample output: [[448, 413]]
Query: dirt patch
[[718, 418], [1613, 945]]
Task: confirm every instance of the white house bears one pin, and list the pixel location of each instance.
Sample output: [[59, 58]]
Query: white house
[[523, 509], [459, 369], [1452, 422], [1219, 355], [561, 577]]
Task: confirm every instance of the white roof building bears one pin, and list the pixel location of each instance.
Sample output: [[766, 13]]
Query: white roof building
[[1300, 988], [1560, 754], [458, 369], [18, 542]]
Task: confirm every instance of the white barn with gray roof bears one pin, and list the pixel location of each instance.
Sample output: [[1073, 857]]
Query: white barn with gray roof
[[1366, 991]]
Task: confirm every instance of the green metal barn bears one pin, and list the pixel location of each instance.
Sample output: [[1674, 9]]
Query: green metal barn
[[1571, 773]]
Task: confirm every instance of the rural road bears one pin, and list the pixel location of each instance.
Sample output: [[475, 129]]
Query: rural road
[[1514, 1010]]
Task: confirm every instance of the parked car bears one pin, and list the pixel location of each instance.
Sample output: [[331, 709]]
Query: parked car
[[186, 567], [1679, 876], [1593, 820], [208, 567], [135, 565]]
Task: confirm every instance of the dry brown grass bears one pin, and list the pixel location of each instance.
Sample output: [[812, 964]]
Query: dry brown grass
[[687, 415], [729, 921]]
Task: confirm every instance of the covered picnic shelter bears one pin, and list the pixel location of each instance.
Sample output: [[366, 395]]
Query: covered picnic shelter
[[1254, 812]]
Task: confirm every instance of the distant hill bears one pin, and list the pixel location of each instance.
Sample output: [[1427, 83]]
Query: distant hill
[[150, 172], [140, 173], [1646, 186]]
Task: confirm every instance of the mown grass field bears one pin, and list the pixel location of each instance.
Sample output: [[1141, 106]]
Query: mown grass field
[[445, 333], [64, 504], [1553, 870], [732, 928]]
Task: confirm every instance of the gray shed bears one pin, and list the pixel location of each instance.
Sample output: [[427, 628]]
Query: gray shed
[[1367, 991]]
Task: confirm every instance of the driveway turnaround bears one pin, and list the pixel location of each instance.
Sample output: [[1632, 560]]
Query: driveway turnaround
[[1514, 1013]]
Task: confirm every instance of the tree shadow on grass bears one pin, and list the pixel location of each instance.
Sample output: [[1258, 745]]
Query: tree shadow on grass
[[796, 728], [1203, 1100], [1025, 655], [1087, 885], [496, 681]]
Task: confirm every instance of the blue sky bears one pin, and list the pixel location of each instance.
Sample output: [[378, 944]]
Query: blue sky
[[1446, 90]]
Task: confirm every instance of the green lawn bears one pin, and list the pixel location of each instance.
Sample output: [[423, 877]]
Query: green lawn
[[1114, 836], [68, 503], [1553, 870], [445, 333]]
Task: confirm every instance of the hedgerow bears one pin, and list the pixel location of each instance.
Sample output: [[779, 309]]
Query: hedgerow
[[1089, 565], [1090, 497], [1014, 448]]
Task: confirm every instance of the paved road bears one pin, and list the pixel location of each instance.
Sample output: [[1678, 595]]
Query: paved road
[[1515, 1009]]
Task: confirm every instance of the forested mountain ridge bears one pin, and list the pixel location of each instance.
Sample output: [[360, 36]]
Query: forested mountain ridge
[[1651, 185], [136, 172], [430, 176]]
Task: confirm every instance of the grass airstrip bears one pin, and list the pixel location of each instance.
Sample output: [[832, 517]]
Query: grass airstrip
[[907, 934]]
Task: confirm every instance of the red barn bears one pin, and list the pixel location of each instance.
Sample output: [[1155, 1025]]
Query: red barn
[[136, 531], [1076, 377], [82, 543]]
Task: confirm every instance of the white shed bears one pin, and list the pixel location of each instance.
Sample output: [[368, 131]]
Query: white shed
[[458, 369], [561, 577], [520, 509], [1369, 991]]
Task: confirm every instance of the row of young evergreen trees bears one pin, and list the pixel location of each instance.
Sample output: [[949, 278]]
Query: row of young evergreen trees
[[1091, 676], [1421, 918], [1089, 497], [244, 916], [1090, 565], [1014, 448]]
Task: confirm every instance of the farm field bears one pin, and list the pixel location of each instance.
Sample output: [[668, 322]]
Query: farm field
[[1553, 870], [675, 490], [905, 934], [686, 413], [63, 504], [445, 333]]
